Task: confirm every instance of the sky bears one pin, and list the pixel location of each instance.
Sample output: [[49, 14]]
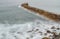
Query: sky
[[36, 2], [50, 5], [43, 2]]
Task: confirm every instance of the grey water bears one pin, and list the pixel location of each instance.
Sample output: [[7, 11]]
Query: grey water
[[11, 13]]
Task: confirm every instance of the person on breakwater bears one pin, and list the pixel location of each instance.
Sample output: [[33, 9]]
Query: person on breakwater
[[47, 14]]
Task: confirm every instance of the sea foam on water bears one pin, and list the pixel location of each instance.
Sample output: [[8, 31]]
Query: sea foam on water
[[30, 30]]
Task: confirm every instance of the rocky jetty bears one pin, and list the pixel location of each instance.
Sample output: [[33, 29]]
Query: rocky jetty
[[49, 15]]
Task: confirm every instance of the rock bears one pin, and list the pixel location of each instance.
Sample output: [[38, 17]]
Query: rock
[[46, 38]]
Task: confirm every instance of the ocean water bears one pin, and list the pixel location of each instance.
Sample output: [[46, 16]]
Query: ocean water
[[14, 19], [13, 14]]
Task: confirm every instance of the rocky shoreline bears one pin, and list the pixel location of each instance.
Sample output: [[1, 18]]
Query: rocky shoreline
[[50, 34]]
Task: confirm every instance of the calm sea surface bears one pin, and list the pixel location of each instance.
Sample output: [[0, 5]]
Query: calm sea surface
[[11, 13]]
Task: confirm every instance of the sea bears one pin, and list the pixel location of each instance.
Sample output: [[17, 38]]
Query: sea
[[13, 18], [12, 14]]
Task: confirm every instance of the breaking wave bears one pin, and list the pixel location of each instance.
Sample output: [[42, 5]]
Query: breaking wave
[[26, 30]]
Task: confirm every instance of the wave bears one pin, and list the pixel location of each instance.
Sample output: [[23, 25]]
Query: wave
[[35, 29]]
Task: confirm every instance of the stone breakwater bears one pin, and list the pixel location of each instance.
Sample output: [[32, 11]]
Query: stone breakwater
[[49, 15]]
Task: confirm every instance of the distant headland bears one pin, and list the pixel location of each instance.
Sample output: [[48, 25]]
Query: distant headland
[[50, 15]]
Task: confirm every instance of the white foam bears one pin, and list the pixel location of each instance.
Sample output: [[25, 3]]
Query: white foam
[[20, 31]]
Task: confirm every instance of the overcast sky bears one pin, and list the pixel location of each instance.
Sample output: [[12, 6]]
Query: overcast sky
[[44, 4], [49, 5]]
